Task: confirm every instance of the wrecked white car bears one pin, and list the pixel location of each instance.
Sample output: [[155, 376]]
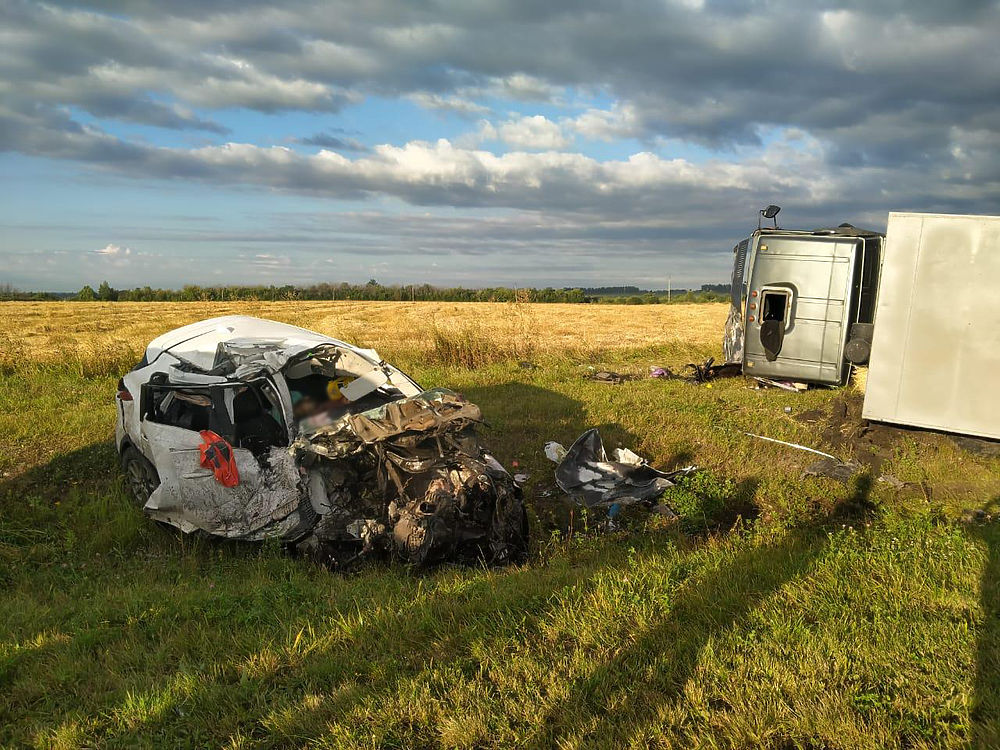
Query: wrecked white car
[[251, 429]]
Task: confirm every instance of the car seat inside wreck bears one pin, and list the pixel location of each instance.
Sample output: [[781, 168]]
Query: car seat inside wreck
[[322, 445]]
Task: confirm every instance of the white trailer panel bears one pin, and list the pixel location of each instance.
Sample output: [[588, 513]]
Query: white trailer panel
[[936, 346]]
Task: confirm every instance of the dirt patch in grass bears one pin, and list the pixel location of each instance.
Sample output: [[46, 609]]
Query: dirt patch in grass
[[844, 431]]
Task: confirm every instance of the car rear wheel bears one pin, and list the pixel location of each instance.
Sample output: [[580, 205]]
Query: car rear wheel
[[140, 475]]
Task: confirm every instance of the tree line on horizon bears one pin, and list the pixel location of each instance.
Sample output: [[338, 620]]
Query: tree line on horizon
[[374, 291]]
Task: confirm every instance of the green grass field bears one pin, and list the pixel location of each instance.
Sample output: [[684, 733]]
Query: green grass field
[[781, 611]]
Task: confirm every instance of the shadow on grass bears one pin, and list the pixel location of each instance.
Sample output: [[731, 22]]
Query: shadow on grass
[[986, 702], [620, 701], [92, 468]]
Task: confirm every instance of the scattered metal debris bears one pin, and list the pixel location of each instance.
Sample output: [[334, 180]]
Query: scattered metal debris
[[554, 451], [892, 481], [414, 470], [585, 473], [792, 445], [709, 370], [606, 376], [785, 385], [832, 468]]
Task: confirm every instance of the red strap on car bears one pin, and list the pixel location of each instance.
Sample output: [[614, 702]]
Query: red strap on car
[[217, 455]]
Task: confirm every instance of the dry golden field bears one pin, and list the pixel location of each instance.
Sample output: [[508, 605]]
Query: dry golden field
[[46, 329]]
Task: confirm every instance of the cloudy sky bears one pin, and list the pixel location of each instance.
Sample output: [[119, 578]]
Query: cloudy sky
[[475, 142]]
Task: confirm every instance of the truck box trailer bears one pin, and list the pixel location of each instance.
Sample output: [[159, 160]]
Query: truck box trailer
[[935, 350], [920, 305]]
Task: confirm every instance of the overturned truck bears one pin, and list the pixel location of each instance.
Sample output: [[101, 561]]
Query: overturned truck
[[250, 429], [803, 302], [917, 305]]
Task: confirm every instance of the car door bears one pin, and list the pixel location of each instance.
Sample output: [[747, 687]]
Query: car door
[[266, 501]]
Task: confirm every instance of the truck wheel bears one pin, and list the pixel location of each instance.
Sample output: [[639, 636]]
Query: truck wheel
[[140, 475]]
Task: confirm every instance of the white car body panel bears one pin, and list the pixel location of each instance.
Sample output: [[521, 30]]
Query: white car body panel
[[190, 498]]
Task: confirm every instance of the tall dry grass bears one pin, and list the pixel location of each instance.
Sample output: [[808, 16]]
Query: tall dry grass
[[88, 359], [105, 337], [476, 342]]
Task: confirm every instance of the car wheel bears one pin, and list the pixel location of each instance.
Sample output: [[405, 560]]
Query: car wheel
[[140, 475]]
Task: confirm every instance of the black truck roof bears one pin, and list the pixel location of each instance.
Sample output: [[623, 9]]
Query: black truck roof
[[844, 230]]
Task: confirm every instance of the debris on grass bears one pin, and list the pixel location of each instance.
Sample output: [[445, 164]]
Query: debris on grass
[[709, 370], [792, 445], [586, 473], [785, 385], [832, 468], [554, 451], [662, 373], [606, 376], [892, 481]]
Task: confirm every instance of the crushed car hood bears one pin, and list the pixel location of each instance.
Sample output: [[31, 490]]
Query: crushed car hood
[[198, 343], [433, 492]]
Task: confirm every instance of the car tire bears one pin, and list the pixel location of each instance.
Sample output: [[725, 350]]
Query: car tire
[[140, 475]]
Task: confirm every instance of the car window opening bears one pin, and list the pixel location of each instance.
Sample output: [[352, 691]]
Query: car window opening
[[188, 410], [256, 422]]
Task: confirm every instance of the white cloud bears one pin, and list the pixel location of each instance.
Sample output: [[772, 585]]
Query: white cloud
[[621, 121], [535, 132], [455, 104], [521, 87], [114, 251]]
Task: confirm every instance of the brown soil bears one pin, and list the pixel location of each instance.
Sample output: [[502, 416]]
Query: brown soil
[[847, 434]]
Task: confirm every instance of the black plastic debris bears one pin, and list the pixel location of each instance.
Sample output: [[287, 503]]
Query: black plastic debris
[[709, 370]]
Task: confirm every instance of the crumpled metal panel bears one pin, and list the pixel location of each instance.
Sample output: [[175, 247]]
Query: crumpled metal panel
[[413, 471], [267, 502], [586, 474], [732, 342]]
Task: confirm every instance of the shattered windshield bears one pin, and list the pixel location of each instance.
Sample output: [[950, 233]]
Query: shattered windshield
[[326, 383]]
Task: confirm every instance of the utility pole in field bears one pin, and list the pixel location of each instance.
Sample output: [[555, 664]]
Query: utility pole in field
[[668, 289]]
